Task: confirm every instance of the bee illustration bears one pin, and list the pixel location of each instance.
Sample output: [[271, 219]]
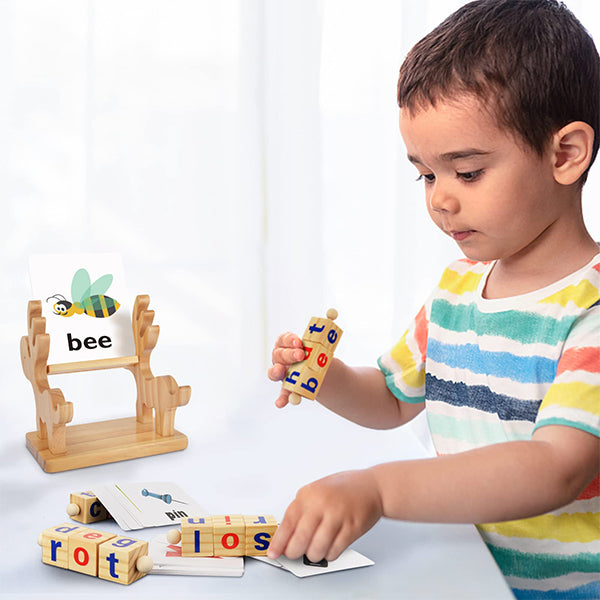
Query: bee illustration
[[87, 297]]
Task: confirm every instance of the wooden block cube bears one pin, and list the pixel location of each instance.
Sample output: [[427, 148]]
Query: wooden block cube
[[197, 536], [303, 381], [259, 532], [323, 331], [317, 357], [229, 535], [90, 508], [55, 544], [83, 550], [117, 559]]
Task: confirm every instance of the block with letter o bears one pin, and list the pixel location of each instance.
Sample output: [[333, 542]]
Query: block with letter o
[[83, 550]]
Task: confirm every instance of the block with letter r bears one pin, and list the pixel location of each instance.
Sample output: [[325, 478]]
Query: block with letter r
[[55, 544]]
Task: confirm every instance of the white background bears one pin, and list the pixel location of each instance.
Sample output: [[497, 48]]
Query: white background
[[242, 156]]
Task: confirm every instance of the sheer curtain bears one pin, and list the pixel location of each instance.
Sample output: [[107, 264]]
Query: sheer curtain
[[243, 157]]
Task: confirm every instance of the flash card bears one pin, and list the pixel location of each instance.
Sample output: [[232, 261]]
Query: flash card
[[349, 559], [85, 303], [168, 561], [149, 504]]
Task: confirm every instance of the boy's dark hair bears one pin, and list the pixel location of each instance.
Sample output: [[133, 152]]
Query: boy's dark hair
[[530, 61]]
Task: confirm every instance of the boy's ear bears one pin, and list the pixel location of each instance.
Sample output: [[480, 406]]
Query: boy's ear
[[572, 151]]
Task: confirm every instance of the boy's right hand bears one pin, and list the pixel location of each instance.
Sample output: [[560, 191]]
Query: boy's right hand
[[287, 351]]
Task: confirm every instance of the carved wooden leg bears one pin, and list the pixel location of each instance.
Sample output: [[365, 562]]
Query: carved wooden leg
[[52, 412], [168, 396]]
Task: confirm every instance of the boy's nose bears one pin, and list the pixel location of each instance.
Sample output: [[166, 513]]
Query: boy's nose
[[442, 200]]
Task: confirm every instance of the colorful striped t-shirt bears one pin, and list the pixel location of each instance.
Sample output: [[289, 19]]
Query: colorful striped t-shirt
[[494, 371]]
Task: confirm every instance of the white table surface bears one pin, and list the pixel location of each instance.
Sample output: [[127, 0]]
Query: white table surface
[[243, 457]]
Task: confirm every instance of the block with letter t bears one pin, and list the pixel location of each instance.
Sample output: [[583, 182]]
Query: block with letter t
[[320, 340], [118, 559]]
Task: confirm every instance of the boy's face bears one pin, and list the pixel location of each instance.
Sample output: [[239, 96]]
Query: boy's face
[[493, 196]]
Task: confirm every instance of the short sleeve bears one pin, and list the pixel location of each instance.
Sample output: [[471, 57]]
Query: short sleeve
[[404, 365], [573, 399]]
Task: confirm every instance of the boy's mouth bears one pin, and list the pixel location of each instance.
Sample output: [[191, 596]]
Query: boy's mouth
[[461, 235]]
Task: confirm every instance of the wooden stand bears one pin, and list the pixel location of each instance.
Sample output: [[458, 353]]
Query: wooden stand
[[57, 447]]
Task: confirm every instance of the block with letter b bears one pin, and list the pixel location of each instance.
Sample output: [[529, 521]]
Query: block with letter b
[[303, 381]]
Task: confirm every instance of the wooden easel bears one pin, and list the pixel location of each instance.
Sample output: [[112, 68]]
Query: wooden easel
[[57, 447]]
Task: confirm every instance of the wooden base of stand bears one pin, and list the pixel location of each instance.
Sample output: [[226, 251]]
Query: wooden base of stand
[[104, 442]]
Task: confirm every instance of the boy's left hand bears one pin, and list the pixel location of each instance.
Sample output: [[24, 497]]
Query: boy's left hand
[[327, 516]]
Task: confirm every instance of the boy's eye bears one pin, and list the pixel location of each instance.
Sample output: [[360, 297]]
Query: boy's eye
[[427, 177], [470, 175]]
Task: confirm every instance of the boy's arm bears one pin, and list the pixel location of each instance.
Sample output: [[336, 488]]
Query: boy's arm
[[359, 394], [505, 481]]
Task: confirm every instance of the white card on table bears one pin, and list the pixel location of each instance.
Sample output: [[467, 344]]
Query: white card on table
[[349, 559], [168, 561]]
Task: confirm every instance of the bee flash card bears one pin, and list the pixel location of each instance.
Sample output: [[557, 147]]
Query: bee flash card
[[85, 304]]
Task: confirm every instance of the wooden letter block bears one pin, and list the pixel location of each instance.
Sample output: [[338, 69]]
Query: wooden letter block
[[197, 536], [90, 509], [259, 532], [324, 332], [83, 550], [117, 559], [229, 533], [317, 358], [55, 544], [303, 381]]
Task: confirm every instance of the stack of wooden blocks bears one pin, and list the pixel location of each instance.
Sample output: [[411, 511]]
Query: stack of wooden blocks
[[224, 535], [320, 340], [106, 555]]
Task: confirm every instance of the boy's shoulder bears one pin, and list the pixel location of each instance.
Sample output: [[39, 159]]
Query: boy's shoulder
[[581, 288]]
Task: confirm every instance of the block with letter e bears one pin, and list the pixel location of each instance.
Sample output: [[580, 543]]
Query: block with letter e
[[324, 332], [321, 337], [316, 357]]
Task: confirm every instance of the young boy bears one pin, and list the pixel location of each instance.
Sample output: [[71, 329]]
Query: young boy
[[499, 112]]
